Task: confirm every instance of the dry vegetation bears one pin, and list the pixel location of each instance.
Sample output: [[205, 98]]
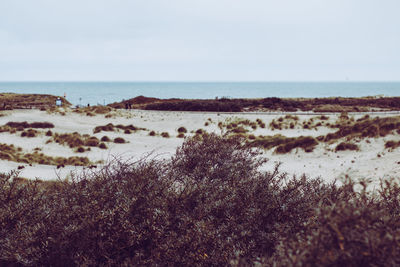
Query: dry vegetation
[[112, 128], [95, 110], [347, 129], [210, 205], [282, 143], [12, 153], [119, 140], [367, 127], [331, 104], [28, 101], [293, 122], [25, 128], [76, 140], [392, 144], [346, 146]]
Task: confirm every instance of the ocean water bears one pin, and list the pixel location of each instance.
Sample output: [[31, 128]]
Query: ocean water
[[94, 93]]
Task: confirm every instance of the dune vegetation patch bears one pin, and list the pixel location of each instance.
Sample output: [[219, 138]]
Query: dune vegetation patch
[[240, 126], [376, 127], [29, 133], [105, 139], [392, 144], [284, 122], [16, 154], [182, 130], [9, 101], [165, 134], [112, 128], [119, 140], [24, 125], [346, 146], [102, 110], [26, 129], [77, 141], [293, 122], [282, 143]]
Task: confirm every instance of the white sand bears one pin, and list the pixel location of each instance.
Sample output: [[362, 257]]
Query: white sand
[[323, 161]]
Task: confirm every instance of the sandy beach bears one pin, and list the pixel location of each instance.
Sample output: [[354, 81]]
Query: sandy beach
[[372, 160]]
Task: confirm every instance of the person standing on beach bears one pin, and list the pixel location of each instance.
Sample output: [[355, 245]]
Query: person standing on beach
[[58, 102]]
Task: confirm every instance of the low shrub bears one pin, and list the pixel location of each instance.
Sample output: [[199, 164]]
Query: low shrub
[[392, 144], [119, 140], [182, 130], [30, 125], [80, 149], [346, 146], [29, 133], [105, 139], [92, 141], [165, 134], [284, 144], [307, 143], [102, 146], [199, 131], [111, 128], [366, 128], [211, 204]]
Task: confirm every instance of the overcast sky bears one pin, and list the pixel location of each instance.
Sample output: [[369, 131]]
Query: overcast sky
[[199, 40]]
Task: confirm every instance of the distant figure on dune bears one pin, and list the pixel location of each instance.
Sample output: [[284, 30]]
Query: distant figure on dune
[[58, 102]]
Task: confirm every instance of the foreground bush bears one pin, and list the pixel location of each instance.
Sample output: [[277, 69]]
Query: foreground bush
[[210, 205]]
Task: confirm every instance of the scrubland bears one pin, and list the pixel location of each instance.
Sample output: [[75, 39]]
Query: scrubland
[[210, 204]]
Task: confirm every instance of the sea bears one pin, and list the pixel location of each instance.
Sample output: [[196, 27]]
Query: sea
[[103, 93]]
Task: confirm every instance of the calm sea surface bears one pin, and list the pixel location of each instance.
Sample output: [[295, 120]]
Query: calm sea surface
[[109, 92]]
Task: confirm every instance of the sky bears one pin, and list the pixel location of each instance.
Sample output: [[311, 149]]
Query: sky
[[199, 40]]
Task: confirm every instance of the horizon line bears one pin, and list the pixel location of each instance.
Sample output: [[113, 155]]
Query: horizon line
[[194, 81]]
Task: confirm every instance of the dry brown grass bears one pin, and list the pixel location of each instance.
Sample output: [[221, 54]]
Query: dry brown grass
[[283, 144], [93, 110], [112, 128], [340, 108], [76, 140], [12, 153], [346, 146], [392, 144], [29, 133], [292, 122], [23, 101], [365, 128], [165, 134], [24, 124]]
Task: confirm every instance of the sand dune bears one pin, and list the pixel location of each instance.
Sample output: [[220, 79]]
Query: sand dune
[[372, 160]]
